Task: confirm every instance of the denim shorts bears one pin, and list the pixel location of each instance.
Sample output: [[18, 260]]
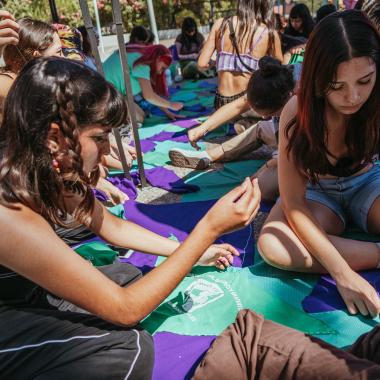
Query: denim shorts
[[349, 197]]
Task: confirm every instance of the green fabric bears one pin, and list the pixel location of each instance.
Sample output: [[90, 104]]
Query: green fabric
[[207, 301], [183, 96], [98, 253], [114, 74], [214, 184], [160, 156]]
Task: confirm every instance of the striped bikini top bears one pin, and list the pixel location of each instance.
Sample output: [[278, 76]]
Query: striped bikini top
[[226, 61]]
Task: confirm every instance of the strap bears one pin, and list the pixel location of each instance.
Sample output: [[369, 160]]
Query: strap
[[235, 45]]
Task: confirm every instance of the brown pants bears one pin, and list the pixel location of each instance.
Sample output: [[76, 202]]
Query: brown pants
[[251, 139], [253, 348]]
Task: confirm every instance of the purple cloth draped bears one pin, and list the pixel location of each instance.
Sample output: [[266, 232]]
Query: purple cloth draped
[[178, 356], [172, 136], [146, 145], [126, 185], [179, 219], [187, 123], [325, 295]]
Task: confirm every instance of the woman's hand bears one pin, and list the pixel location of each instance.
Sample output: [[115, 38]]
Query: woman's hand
[[220, 255], [115, 195], [8, 29], [358, 294], [176, 106], [172, 115], [236, 209], [195, 134]]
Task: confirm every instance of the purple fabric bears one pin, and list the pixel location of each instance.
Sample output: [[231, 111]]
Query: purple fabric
[[100, 195], [146, 145], [188, 123], [179, 219], [168, 180], [325, 295], [126, 185], [177, 356], [172, 136]]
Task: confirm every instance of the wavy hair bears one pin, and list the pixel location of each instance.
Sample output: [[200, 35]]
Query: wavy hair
[[53, 90], [34, 35], [250, 14], [338, 38]]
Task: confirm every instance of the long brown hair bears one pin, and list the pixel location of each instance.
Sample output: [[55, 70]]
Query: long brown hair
[[34, 35], [53, 90], [250, 14], [337, 38]]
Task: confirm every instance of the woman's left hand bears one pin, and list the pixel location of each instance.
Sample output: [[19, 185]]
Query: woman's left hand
[[219, 255], [174, 116]]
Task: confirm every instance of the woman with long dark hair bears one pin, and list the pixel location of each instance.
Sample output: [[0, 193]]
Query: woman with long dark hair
[[57, 118], [240, 41], [189, 45], [300, 23], [329, 139]]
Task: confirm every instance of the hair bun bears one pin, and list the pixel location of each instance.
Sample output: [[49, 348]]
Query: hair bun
[[269, 66]]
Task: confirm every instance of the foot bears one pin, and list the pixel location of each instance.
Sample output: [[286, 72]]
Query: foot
[[239, 128], [189, 159]]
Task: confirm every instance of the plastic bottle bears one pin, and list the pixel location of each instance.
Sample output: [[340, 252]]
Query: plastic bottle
[[178, 74], [168, 77]]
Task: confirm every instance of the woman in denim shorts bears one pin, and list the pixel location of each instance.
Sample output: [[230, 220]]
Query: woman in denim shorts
[[329, 138]]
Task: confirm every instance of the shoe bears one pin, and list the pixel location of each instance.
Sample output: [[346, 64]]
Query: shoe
[[189, 159], [239, 128]]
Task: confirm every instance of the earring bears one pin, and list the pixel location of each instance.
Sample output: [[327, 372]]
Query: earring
[[55, 164]]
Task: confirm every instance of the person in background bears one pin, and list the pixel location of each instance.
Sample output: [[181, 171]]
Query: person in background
[[89, 59], [324, 11], [147, 65], [189, 45]]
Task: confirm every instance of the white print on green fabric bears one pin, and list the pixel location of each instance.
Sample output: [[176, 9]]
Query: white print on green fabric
[[206, 301]]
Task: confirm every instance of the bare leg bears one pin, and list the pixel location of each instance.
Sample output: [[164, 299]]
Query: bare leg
[[280, 247], [373, 220], [268, 182]]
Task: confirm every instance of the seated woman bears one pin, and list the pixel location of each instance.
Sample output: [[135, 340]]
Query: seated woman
[[328, 142], [53, 304], [296, 34], [189, 44], [240, 41], [269, 89], [147, 65]]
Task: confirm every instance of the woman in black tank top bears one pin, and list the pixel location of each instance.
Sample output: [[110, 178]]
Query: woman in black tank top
[[329, 139]]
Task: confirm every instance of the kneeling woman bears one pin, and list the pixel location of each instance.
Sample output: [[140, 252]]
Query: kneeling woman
[[55, 129], [329, 136]]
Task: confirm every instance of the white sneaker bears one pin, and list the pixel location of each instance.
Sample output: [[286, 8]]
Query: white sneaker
[[189, 159]]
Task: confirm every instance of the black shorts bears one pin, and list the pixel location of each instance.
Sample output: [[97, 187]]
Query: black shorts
[[49, 338]]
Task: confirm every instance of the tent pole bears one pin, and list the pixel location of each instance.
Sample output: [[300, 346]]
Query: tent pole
[[152, 20], [95, 51], [116, 12]]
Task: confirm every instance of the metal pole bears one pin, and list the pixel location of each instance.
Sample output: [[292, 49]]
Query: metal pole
[[128, 87], [98, 25], [152, 20], [53, 11], [94, 47]]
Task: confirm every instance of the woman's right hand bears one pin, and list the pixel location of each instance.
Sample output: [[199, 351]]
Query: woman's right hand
[[176, 106], [236, 209], [195, 134], [358, 294], [8, 29]]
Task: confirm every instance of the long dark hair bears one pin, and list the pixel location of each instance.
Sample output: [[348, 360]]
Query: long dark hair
[[300, 11], [53, 90], [270, 86], [188, 25], [339, 37], [250, 14], [34, 35]]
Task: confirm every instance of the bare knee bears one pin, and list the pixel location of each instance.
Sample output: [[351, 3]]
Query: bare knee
[[280, 251]]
